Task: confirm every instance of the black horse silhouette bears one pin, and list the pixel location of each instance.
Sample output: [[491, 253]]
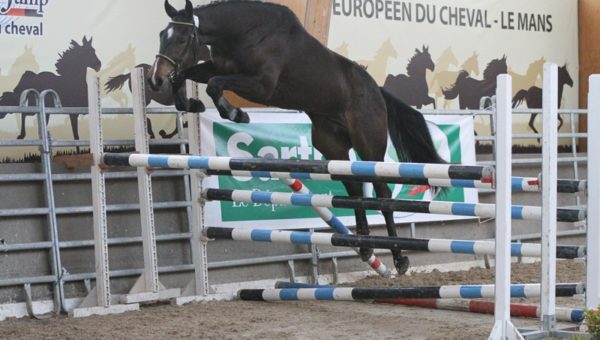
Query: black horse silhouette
[[70, 83], [262, 52], [163, 96], [533, 96], [471, 90], [412, 88]]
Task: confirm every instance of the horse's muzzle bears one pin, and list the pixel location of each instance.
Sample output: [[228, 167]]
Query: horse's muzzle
[[158, 73]]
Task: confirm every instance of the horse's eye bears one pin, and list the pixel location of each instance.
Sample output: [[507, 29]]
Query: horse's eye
[[181, 40]]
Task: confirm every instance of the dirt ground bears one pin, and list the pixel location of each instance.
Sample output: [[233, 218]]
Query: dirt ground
[[299, 320]]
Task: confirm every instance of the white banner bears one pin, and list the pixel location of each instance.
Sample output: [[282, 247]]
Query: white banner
[[286, 135]]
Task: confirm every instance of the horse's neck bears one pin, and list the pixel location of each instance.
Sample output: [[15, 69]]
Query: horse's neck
[[443, 65], [75, 75], [561, 87], [532, 72], [419, 74], [381, 58]]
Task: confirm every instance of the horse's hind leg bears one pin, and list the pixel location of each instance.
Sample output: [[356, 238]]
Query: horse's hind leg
[[22, 134], [369, 139], [531, 124], [560, 122], [332, 141], [75, 128]]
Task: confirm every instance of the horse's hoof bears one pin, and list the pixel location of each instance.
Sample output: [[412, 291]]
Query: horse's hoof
[[241, 116], [196, 106], [365, 254], [162, 133], [402, 263], [20, 136]]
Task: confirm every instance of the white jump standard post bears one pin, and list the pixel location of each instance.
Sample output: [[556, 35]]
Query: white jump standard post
[[147, 288], [592, 296], [549, 196], [198, 288], [99, 300], [503, 327]]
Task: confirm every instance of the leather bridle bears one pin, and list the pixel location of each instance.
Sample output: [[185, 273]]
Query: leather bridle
[[175, 63]]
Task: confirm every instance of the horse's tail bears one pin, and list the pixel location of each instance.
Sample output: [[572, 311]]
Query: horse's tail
[[518, 98], [409, 132], [116, 82], [452, 92]]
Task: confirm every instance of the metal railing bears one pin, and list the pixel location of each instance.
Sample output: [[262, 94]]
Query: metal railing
[[46, 144]]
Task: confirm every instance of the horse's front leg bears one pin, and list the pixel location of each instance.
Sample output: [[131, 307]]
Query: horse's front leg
[[258, 89], [431, 101], [200, 73], [400, 262]]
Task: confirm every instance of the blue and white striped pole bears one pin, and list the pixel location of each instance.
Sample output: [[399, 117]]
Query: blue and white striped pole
[[345, 168], [385, 242], [337, 225], [529, 184], [481, 210], [445, 292]]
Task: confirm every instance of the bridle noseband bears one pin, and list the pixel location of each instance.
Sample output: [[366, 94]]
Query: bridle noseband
[[177, 65]]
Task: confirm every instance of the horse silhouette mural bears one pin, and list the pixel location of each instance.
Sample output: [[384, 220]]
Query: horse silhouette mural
[[25, 61], [469, 91], [412, 88], [377, 67], [442, 64], [444, 78], [120, 63], [163, 96], [533, 96], [530, 78], [69, 82]]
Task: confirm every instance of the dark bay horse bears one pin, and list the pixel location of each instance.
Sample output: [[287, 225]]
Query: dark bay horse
[[261, 52], [412, 87], [470, 90], [533, 96], [69, 82]]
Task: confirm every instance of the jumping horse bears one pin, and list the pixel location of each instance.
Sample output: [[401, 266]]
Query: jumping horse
[[261, 52]]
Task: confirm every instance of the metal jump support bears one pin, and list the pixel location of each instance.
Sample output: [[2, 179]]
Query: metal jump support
[[148, 287], [99, 301]]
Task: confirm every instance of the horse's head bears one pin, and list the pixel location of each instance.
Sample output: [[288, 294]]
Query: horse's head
[[564, 77], [420, 61], [447, 58], [26, 61], [179, 45], [471, 64], [387, 49], [429, 65], [77, 58], [494, 68], [88, 53]]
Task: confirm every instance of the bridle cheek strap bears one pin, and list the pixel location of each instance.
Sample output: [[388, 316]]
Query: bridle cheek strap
[[172, 75]]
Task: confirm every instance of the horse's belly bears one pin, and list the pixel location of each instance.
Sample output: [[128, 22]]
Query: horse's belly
[[308, 97]]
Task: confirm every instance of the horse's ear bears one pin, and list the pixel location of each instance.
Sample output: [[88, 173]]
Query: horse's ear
[[171, 11], [87, 42], [189, 8]]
